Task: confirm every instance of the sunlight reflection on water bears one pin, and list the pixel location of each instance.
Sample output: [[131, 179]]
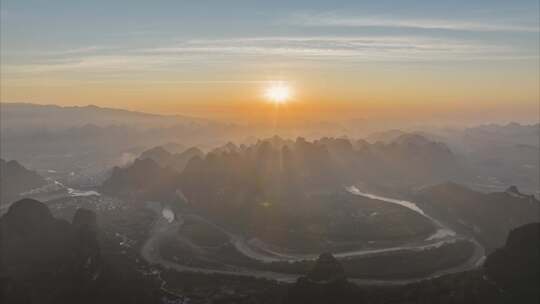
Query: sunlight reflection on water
[[168, 214]]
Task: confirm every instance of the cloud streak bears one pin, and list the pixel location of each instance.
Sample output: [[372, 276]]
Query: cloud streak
[[359, 48], [249, 50], [335, 20]]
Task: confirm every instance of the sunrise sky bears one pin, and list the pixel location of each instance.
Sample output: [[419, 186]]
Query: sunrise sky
[[220, 56]]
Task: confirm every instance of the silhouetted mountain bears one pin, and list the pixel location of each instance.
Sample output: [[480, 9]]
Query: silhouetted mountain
[[174, 147], [16, 179], [385, 136], [231, 178], [500, 165], [494, 155], [516, 266], [489, 217], [325, 283], [276, 165], [176, 161], [47, 260], [502, 135], [412, 159], [282, 166], [159, 155], [518, 261], [143, 180], [264, 189], [392, 135], [37, 248], [327, 269]]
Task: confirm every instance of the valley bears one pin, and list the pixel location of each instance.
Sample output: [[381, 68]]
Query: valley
[[249, 221]]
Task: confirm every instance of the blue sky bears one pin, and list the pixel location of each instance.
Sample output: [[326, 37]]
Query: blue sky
[[42, 26]]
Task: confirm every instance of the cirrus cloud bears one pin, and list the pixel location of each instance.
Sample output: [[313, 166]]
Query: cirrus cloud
[[337, 20]]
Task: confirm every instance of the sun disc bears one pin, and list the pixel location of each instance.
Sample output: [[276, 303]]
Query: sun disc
[[278, 93]]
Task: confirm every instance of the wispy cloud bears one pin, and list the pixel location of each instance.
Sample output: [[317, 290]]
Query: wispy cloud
[[81, 50], [337, 20], [361, 48], [63, 52], [251, 50], [97, 63]]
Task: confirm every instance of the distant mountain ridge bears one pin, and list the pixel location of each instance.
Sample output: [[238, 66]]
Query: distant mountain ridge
[[176, 161], [27, 115], [48, 137], [497, 155]]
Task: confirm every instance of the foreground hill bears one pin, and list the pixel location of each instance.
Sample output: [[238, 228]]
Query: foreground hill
[[516, 266], [16, 179], [325, 283], [48, 260]]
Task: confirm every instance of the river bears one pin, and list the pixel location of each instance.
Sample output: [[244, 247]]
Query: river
[[258, 250]]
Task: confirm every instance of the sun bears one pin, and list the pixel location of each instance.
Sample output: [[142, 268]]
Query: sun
[[278, 93]]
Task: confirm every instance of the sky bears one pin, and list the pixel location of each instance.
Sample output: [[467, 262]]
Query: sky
[[433, 58]]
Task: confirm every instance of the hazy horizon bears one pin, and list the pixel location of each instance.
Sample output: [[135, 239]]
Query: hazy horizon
[[263, 114]]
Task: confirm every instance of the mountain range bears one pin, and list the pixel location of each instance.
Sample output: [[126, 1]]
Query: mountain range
[[282, 167], [253, 188], [24, 116]]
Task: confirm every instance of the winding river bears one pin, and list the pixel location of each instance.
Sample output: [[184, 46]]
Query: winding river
[[168, 224], [262, 252]]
